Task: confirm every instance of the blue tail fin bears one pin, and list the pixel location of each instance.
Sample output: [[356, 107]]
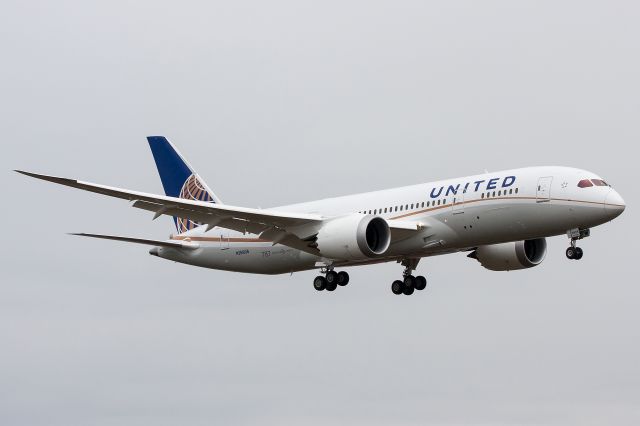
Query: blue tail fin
[[178, 178]]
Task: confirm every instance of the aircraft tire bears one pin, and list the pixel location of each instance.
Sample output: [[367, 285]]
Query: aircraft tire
[[409, 281], [396, 287], [578, 254], [408, 291], [420, 283], [331, 286], [343, 278], [319, 283], [571, 253]]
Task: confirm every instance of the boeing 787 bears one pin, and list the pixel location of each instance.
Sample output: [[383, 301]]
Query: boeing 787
[[501, 219]]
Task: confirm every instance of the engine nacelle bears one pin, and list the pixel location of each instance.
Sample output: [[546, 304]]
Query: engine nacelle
[[511, 256], [353, 237]]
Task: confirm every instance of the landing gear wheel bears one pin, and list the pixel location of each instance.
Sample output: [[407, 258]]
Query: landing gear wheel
[[397, 286], [343, 278], [331, 286], [408, 291], [571, 253], [332, 277], [420, 283], [409, 282], [578, 254], [319, 283]]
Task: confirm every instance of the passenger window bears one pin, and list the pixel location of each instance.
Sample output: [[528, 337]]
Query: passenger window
[[511, 191], [516, 190], [584, 183], [482, 195], [406, 206], [423, 204], [494, 194], [599, 182]]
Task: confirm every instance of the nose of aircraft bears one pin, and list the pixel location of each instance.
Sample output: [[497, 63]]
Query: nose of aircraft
[[614, 204]]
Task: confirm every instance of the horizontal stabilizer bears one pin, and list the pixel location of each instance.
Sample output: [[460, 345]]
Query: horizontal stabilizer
[[157, 243]]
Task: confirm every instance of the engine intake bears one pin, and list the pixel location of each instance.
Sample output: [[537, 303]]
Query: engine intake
[[354, 237], [511, 256]]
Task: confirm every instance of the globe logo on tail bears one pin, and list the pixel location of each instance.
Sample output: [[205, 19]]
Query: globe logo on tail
[[192, 189]]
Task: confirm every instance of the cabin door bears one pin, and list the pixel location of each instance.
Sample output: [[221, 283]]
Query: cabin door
[[224, 240], [543, 191], [458, 201]]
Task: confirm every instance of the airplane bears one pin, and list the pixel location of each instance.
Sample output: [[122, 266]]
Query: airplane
[[500, 219]]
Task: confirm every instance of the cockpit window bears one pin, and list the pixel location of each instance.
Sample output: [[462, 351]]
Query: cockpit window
[[584, 183], [599, 182]]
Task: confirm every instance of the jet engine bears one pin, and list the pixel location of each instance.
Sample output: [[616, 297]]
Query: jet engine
[[511, 256], [353, 237]]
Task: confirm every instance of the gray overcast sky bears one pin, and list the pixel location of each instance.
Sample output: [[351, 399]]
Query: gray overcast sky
[[280, 102]]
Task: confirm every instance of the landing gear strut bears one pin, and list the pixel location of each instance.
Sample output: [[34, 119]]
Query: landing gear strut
[[409, 283], [331, 280], [574, 252]]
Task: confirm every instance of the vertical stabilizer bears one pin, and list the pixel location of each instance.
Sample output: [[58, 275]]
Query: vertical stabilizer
[[178, 178]]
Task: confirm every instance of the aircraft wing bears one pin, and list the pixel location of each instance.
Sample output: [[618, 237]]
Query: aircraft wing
[[291, 229]]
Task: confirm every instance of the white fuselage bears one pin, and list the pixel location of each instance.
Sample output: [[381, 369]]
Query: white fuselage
[[456, 214]]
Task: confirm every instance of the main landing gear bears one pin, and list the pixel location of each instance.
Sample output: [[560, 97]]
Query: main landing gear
[[573, 252], [409, 283], [331, 280]]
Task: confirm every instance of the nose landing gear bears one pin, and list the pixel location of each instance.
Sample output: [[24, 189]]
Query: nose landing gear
[[574, 252]]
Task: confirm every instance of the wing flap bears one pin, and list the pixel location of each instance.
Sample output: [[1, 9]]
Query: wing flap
[[197, 215]]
